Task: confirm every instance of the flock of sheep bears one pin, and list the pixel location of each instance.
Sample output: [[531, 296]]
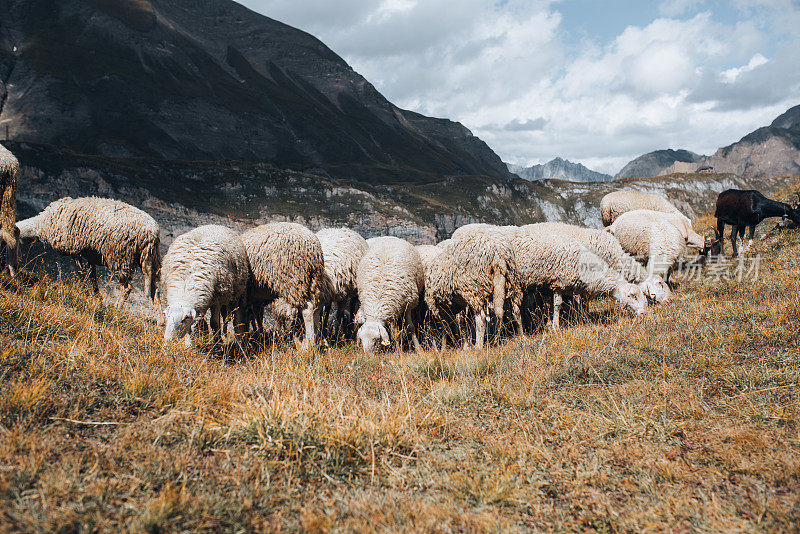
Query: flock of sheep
[[336, 283]]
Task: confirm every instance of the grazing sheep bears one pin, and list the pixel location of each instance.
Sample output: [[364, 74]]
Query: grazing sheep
[[615, 204], [444, 244], [692, 238], [567, 267], [206, 268], [286, 260], [101, 231], [609, 250], [9, 234], [343, 249], [653, 241], [477, 270], [390, 281]]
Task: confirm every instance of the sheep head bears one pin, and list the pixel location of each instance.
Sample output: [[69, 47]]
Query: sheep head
[[373, 335], [180, 318], [656, 289], [631, 296]]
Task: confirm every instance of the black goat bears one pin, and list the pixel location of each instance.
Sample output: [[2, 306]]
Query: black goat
[[740, 208]]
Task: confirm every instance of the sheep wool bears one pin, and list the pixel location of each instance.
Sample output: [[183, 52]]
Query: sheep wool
[[477, 270], [607, 248], [615, 204], [286, 260], [342, 249], [206, 268], [390, 281], [653, 241], [567, 267], [9, 234], [101, 231], [691, 238]]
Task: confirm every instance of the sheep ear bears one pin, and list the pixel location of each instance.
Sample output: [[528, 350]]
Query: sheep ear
[[194, 314]]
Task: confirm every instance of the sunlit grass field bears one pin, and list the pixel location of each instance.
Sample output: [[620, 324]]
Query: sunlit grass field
[[683, 419]]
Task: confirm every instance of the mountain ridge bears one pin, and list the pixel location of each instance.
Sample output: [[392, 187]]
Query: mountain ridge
[[211, 80], [559, 169]]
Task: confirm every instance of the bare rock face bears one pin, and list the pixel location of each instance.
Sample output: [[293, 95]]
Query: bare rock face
[[211, 80]]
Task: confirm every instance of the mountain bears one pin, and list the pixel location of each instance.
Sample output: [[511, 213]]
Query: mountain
[[773, 150], [211, 80], [559, 169], [656, 163]]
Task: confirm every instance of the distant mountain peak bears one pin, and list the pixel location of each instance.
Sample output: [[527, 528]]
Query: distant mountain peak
[[559, 169]]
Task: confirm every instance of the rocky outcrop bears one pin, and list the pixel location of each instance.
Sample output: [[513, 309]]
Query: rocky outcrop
[[559, 169], [211, 80]]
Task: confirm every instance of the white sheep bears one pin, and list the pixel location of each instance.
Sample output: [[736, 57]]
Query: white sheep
[[101, 231], [690, 237], [615, 204], [9, 233], [653, 241], [606, 246], [567, 267], [343, 249], [390, 281], [476, 270], [286, 260], [206, 268]]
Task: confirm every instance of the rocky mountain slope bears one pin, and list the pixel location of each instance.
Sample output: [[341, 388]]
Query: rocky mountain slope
[[211, 80], [656, 163], [243, 194], [559, 169], [773, 150]]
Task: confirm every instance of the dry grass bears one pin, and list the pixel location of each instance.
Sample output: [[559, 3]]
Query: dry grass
[[686, 419]]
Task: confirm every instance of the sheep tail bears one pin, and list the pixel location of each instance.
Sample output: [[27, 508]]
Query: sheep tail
[[151, 267], [499, 287]]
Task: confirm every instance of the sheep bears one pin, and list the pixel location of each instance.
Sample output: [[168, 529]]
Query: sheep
[[286, 260], [653, 241], [564, 265], [606, 246], [390, 281], [692, 238], [477, 270], [206, 268], [615, 204], [101, 231], [342, 249], [9, 233]]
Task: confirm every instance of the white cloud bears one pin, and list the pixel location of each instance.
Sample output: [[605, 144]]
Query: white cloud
[[730, 75], [511, 71]]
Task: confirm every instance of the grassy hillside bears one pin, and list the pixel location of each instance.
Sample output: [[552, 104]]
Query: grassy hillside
[[685, 419]]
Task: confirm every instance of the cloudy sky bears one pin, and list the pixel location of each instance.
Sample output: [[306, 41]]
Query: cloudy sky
[[599, 82]]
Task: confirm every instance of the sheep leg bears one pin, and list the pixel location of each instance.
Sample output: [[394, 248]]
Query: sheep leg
[[734, 231], [720, 232], [410, 324], [216, 313], [558, 300], [325, 311], [126, 292], [240, 319], [480, 328], [310, 318]]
